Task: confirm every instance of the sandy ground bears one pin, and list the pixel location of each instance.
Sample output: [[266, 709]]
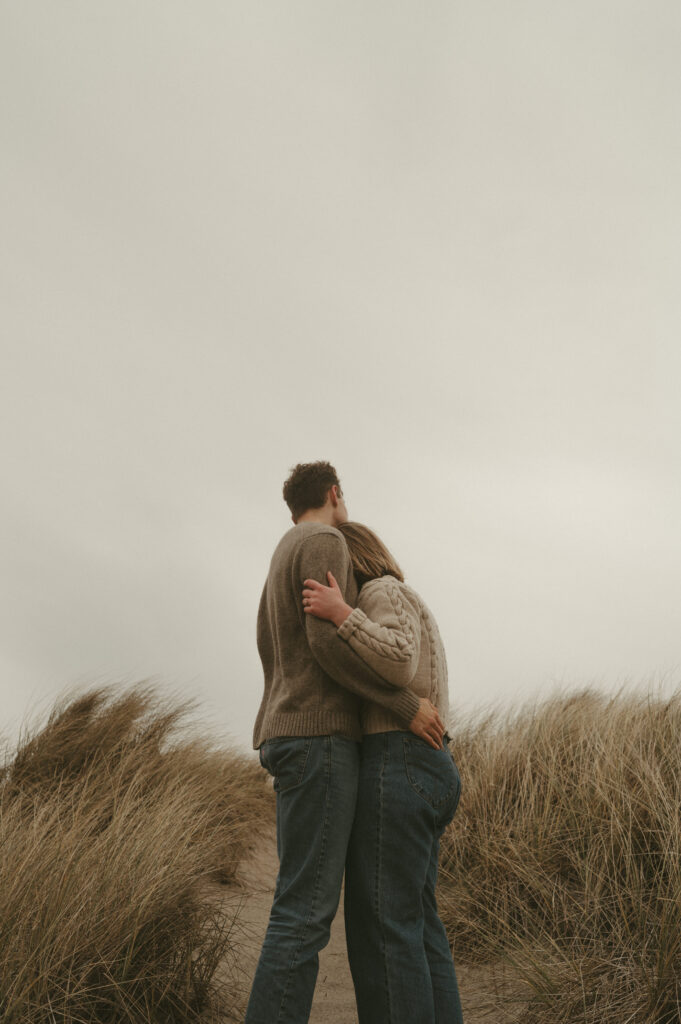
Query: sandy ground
[[487, 995]]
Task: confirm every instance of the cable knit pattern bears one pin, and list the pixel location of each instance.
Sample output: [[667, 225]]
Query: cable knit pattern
[[435, 645], [385, 631], [395, 643], [394, 631]]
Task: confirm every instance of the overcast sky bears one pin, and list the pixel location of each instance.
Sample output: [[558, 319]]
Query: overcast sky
[[438, 245]]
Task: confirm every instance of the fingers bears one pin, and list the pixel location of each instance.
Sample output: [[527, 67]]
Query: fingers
[[431, 733], [435, 712], [433, 738], [313, 584], [435, 730], [437, 720]]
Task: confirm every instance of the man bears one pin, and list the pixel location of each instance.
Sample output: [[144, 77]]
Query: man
[[308, 733]]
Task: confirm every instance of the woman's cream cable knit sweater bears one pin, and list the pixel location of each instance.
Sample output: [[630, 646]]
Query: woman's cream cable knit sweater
[[395, 633]]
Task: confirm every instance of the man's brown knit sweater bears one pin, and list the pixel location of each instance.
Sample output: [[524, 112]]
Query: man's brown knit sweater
[[314, 681]]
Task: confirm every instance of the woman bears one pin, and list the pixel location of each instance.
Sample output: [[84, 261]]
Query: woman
[[408, 792]]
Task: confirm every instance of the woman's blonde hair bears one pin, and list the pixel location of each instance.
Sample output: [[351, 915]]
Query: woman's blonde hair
[[369, 556]]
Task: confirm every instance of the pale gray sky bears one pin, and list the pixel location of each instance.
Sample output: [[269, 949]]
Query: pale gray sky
[[438, 245]]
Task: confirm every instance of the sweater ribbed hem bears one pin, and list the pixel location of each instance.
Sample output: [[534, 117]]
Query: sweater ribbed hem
[[308, 723], [349, 625], [406, 705], [380, 720]]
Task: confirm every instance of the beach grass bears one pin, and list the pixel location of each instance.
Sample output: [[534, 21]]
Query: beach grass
[[562, 866], [563, 861], [115, 820]]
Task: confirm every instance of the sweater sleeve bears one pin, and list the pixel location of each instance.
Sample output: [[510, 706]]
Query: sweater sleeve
[[385, 631], [317, 554]]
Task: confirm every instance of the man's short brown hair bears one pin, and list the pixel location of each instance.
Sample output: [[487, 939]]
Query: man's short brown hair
[[308, 485]]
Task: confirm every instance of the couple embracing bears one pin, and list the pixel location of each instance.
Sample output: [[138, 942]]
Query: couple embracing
[[352, 729]]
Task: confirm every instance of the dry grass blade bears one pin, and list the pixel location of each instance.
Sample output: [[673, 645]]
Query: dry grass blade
[[565, 855], [112, 820]]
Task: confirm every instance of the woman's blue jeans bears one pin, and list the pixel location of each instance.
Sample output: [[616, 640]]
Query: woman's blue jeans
[[315, 778], [398, 950]]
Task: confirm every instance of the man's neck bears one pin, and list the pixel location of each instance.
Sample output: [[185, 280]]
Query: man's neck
[[317, 515]]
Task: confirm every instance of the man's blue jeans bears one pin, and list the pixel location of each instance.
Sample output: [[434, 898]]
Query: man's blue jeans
[[315, 778], [399, 955]]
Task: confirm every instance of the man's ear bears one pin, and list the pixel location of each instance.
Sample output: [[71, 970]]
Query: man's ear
[[333, 494]]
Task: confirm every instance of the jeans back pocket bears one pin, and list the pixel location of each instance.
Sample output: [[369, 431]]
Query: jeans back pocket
[[433, 775], [285, 758]]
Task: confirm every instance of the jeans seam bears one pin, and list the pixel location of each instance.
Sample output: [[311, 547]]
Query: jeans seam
[[301, 774], [379, 884], [397, 989], [315, 888]]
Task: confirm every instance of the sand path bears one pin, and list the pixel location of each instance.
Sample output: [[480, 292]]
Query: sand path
[[334, 999], [483, 992]]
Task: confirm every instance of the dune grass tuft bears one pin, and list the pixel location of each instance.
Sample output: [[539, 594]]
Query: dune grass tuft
[[113, 819], [564, 857]]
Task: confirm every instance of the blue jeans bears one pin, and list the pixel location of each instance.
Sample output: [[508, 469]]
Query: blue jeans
[[398, 950], [315, 778]]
